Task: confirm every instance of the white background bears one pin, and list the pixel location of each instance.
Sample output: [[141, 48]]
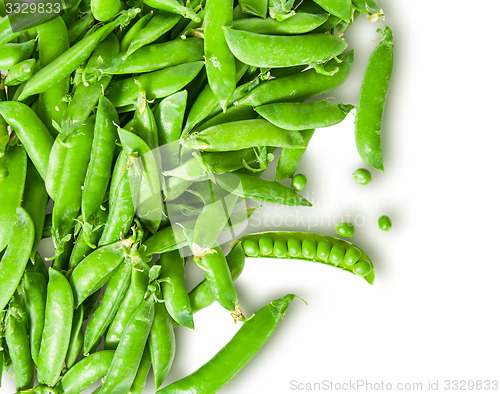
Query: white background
[[432, 313]]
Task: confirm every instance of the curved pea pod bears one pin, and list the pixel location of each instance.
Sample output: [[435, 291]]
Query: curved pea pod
[[245, 344], [69, 196], [95, 270], [260, 50], [301, 86], [86, 372], [127, 357], [155, 56], [11, 192], [55, 167], [101, 159], [318, 248], [35, 292], [16, 256], [142, 373], [31, 131], [248, 133], [300, 116], [56, 328], [290, 158], [134, 30], [157, 84], [13, 53], [161, 344], [17, 340], [135, 294], [158, 25], [69, 61], [19, 73], [260, 189], [201, 296], [76, 338], [107, 307], [104, 10], [166, 240], [339, 8], [174, 288], [174, 7], [299, 23], [78, 28], [232, 114], [169, 116], [372, 99]]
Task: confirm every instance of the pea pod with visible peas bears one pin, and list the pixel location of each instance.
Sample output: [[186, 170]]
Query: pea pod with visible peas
[[313, 247]]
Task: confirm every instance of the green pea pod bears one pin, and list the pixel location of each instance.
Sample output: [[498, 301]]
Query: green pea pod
[[55, 167], [35, 200], [17, 340], [19, 73], [127, 357], [369, 7], [87, 94], [142, 373], [157, 84], [220, 62], [312, 247], [167, 239], [249, 339], [101, 159], [254, 7], [329, 25], [202, 296], [53, 41], [16, 256], [38, 265], [31, 131], [104, 10], [11, 192], [174, 288], [144, 124], [290, 158], [232, 114], [260, 189], [169, 117], [160, 24], [95, 270], [174, 7], [108, 306], [86, 372], [68, 62], [301, 86], [300, 116], [250, 133], [76, 338], [78, 29], [214, 264], [69, 196], [134, 296], [191, 29], [161, 344], [13, 53], [134, 30], [56, 328], [121, 205], [300, 23], [372, 99], [339, 8], [35, 291], [88, 238]]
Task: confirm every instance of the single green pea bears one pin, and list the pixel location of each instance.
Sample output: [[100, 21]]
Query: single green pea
[[323, 250], [337, 254], [266, 245], [299, 182], [352, 255], [362, 176], [362, 268], [345, 229], [280, 249], [294, 247], [309, 247], [251, 247], [384, 223]]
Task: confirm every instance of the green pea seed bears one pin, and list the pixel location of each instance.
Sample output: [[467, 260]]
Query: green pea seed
[[362, 176], [352, 255], [294, 247], [251, 247], [345, 229], [337, 254], [323, 251], [362, 268], [309, 247], [280, 249], [299, 182], [266, 245], [384, 223]]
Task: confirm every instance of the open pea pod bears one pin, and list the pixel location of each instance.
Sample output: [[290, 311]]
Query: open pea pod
[[312, 247]]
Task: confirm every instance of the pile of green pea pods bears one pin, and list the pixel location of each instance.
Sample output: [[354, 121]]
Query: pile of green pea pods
[[132, 134]]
